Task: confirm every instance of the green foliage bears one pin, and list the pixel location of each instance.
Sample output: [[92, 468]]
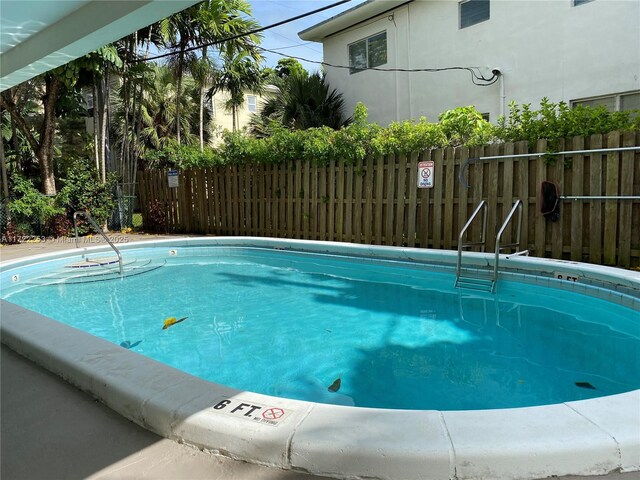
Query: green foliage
[[181, 156], [465, 126], [303, 101], [353, 143], [554, 121], [29, 206], [83, 190]]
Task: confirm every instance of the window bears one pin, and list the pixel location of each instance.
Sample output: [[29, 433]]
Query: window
[[251, 103], [614, 102], [368, 53], [485, 116], [473, 11], [577, 3]]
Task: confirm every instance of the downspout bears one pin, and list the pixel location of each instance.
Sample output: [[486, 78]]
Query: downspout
[[502, 93]]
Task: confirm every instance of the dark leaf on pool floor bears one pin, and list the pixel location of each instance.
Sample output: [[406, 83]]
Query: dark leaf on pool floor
[[585, 385], [128, 344], [335, 386]]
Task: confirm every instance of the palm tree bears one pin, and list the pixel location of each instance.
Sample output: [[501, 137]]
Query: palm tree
[[304, 101], [239, 73], [210, 21], [158, 109]]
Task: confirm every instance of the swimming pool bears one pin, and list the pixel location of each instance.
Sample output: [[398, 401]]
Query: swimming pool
[[449, 323]]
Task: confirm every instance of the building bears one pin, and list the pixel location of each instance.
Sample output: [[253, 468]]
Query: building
[[222, 117], [577, 51]]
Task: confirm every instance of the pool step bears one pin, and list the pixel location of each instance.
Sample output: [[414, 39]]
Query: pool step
[[98, 271], [474, 279], [474, 283]]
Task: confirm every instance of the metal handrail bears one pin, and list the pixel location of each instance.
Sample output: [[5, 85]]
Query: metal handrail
[[481, 206], [99, 230], [517, 205]]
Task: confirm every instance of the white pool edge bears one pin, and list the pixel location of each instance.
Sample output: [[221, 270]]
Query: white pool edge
[[590, 437]]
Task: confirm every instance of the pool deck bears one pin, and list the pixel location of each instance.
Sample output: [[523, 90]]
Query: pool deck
[[51, 430]]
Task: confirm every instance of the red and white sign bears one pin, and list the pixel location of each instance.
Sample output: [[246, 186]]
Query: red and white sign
[[425, 174], [273, 413]]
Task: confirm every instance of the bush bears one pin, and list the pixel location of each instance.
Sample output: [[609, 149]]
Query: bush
[[181, 156], [157, 220], [83, 190], [462, 126], [557, 120], [30, 210]]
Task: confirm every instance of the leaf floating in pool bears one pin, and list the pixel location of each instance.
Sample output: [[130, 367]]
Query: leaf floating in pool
[[172, 321], [585, 385], [335, 386], [128, 344]]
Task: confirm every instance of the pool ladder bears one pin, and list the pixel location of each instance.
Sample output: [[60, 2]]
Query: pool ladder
[[479, 280]]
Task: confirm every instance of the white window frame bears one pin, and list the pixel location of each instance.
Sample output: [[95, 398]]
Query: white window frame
[[252, 101], [617, 96], [353, 70], [460, 27]]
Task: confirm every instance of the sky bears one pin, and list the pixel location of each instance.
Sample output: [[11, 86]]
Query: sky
[[285, 38]]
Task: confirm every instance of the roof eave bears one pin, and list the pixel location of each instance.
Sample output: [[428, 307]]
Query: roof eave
[[348, 18]]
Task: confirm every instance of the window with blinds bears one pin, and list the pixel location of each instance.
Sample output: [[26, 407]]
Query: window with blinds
[[473, 11]]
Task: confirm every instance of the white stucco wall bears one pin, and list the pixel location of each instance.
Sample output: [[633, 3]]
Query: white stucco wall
[[543, 47]]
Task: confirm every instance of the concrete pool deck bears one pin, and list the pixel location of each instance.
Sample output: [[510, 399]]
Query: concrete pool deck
[[40, 434]]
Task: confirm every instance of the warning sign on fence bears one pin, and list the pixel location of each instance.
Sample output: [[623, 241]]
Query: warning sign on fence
[[425, 175], [172, 178]]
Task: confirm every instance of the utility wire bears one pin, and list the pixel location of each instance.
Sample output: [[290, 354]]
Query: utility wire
[[475, 76], [251, 32]]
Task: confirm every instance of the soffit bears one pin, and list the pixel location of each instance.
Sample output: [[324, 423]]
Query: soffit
[[39, 35]]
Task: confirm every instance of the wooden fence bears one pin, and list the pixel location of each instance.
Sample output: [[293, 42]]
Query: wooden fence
[[377, 202]]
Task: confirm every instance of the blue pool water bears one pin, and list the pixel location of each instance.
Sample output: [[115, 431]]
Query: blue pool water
[[397, 336]]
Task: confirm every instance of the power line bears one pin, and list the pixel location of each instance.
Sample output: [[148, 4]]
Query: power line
[[476, 77], [291, 46], [251, 32]]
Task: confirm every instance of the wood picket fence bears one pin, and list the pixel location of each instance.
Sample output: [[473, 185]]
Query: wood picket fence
[[377, 201]]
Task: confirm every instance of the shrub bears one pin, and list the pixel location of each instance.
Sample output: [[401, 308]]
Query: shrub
[[157, 219], [30, 210], [83, 190], [354, 142], [554, 121]]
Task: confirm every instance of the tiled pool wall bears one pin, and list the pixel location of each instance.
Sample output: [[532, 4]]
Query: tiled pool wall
[[607, 283], [589, 437]]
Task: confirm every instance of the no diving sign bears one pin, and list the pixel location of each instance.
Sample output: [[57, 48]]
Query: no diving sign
[[255, 412], [425, 174]]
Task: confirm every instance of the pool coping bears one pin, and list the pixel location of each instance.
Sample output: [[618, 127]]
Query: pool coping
[[589, 437]]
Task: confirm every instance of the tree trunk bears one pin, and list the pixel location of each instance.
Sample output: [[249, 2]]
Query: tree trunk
[[96, 124], [179, 90], [103, 129], [202, 89], [3, 170], [43, 147], [202, 94]]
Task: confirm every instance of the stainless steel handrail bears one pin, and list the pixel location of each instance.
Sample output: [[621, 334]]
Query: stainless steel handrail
[[481, 206], [517, 205], [99, 230]]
